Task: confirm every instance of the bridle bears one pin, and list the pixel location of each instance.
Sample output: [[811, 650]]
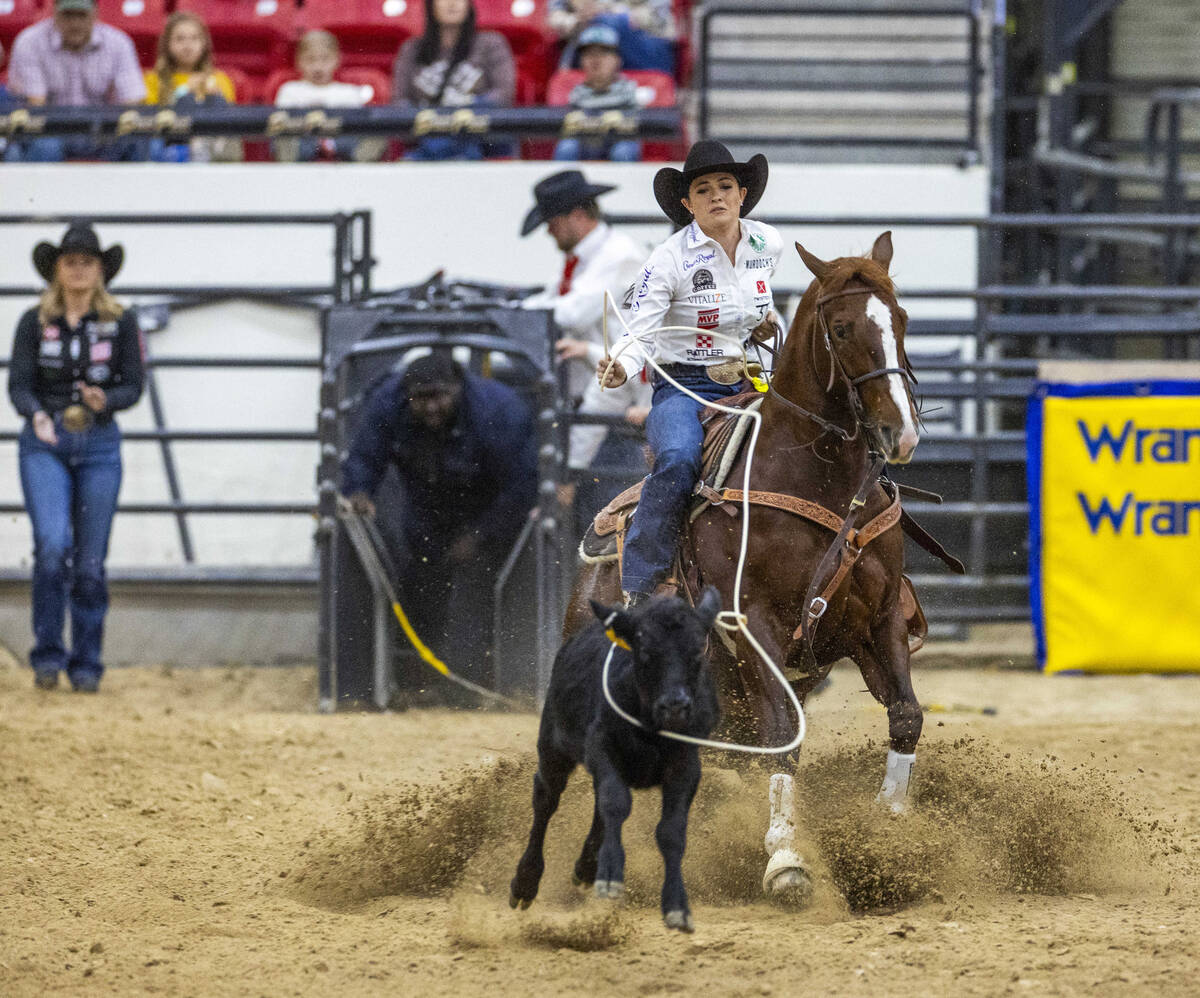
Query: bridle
[[836, 369]]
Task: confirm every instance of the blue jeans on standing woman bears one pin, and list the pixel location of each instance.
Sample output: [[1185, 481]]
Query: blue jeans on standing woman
[[71, 495], [675, 435]]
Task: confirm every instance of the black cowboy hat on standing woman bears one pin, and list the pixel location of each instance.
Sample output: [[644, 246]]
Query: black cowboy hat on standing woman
[[79, 238], [708, 156]]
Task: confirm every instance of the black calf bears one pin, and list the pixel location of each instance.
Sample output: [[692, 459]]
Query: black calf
[[665, 681]]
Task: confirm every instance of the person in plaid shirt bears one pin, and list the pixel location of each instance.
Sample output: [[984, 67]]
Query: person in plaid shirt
[[712, 276], [72, 60]]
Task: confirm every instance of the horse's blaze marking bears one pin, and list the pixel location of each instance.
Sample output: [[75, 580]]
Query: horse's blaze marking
[[881, 315]]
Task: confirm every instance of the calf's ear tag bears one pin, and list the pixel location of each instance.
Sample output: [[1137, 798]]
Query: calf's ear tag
[[611, 634], [619, 642]]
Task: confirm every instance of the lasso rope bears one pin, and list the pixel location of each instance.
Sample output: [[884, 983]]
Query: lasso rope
[[361, 538], [729, 620]]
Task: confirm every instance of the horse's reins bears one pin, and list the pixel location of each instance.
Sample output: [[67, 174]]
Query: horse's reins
[[814, 605], [730, 620]]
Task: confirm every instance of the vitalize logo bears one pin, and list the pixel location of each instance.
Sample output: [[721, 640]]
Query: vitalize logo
[[1138, 445]]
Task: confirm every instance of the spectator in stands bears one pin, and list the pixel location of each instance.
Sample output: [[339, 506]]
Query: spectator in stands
[[73, 60], [76, 360], [646, 29], [603, 89], [452, 66], [7, 102], [465, 451], [317, 59], [598, 259], [184, 76]]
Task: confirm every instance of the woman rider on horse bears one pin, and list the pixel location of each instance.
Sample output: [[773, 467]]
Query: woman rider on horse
[[714, 276]]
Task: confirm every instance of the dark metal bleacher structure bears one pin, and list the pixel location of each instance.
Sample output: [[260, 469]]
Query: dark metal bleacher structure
[[843, 82]]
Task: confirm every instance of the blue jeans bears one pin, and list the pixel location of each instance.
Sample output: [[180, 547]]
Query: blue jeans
[[621, 151], [56, 149], [71, 495], [675, 435]]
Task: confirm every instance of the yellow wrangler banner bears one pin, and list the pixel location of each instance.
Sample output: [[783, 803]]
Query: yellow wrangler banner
[[1114, 495]]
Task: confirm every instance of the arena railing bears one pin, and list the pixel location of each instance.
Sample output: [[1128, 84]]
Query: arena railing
[[350, 279], [405, 123]]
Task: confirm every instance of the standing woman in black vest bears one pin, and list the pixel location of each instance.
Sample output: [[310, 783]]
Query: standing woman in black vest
[[76, 360]]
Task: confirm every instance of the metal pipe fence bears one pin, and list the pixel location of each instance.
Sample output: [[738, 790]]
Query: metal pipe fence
[[350, 279]]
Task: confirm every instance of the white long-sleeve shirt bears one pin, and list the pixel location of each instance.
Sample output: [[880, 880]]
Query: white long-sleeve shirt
[[608, 261], [689, 280]]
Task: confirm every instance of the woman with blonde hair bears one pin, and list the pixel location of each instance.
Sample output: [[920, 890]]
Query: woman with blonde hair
[[185, 64], [184, 76], [76, 360]]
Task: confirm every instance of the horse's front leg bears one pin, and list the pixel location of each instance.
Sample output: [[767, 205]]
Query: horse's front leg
[[786, 878], [885, 668]]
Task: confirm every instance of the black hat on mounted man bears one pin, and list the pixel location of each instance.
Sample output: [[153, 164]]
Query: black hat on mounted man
[[708, 156]]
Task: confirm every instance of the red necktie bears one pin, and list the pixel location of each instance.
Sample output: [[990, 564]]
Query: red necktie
[[569, 265]]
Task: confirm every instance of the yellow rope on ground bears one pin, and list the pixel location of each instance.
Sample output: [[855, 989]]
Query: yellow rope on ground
[[422, 649]]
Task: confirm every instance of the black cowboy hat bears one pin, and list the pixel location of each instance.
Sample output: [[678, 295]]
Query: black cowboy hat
[[557, 194], [79, 238], [708, 156]]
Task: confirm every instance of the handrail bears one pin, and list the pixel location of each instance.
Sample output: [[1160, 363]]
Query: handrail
[[252, 120]]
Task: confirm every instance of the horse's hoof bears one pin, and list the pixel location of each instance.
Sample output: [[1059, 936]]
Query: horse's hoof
[[681, 921], [791, 888], [897, 805], [786, 881], [610, 890]]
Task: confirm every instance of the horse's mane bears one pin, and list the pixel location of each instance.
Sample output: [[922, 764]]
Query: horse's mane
[[847, 268]]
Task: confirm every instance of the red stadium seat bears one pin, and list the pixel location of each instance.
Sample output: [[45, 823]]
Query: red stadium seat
[[370, 32], [655, 89], [523, 24], [17, 15], [245, 87], [255, 36], [141, 20], [381, 82]]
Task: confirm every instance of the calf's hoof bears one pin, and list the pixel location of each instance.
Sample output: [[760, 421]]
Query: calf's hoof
[[610, 890], [786, 881], [518, 898], [581, 881], [679, 920]]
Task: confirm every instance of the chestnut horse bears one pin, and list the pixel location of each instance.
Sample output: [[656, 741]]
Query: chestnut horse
[[839, 399]]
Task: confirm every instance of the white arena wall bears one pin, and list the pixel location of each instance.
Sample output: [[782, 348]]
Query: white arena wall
[[463, 218]]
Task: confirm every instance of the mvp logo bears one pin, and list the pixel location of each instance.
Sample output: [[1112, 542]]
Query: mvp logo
[[709, 319]]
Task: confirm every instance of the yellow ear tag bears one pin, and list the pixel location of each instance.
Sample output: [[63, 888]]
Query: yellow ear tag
[[619, 642], [760, 385]]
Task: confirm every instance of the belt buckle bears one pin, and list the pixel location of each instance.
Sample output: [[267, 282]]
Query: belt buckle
[[728, 372]]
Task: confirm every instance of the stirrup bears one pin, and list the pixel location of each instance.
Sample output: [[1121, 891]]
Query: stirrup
[[634, 597]]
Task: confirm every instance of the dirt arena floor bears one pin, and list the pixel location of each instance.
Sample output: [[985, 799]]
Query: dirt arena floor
[[205, 832]]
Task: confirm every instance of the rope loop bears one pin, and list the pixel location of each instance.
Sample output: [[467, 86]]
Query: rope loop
[[729, 620]]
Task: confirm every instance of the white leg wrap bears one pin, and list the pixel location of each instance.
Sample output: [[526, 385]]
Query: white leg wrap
[[780, 841], [894, 791]]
